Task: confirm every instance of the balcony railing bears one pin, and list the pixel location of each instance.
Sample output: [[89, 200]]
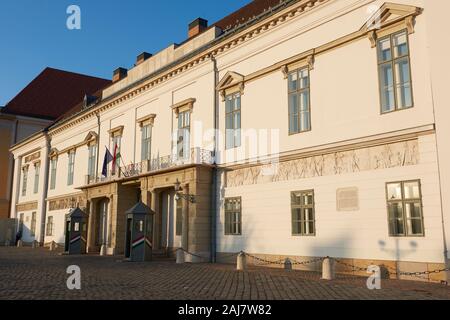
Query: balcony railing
[[196, 156]]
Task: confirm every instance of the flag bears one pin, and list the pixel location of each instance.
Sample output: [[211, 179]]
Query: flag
[[114, 160], [108, 159]]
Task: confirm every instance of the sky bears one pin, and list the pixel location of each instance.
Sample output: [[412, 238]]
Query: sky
[[34, 34]]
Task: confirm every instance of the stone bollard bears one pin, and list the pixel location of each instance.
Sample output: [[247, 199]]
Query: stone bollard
[[327, 269], [241, 264], [34, 244], [19, 244], [287, 264], [180, 256], [103, 250], [52, 246]]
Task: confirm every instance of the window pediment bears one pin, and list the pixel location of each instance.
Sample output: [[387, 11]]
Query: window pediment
[[54, 153], [185, 105], [231, 82], [116, 132], [147, 120], [91, 137], [390, 14]]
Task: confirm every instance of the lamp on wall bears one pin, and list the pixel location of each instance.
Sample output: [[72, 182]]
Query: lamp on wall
[[180, 195]]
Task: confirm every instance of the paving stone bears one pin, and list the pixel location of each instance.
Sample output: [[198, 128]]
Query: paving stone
[[38, 274]]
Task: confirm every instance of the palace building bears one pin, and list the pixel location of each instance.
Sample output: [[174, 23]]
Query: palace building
[[297, 128]]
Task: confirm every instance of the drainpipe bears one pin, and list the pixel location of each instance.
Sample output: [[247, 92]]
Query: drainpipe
[[43, 201], [214, 191], [12, 164], [98, 145]]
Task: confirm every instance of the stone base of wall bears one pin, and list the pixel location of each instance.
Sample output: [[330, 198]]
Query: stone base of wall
[[345, 266]]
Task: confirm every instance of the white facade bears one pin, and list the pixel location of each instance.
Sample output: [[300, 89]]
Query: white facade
[[347, 125]]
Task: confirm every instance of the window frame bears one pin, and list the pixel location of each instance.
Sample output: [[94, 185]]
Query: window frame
[[405, 201], [302, 207], [37, 177], [297, 92], [92, 159], [53, 172], [232, 113], [227, 222], [146, 140], [392, 62], [49, 227], [70, 167], [184, 130], [24, 181]]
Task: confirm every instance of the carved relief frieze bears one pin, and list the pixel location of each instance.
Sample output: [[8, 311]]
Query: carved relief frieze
[[69, 202], [387, 156]]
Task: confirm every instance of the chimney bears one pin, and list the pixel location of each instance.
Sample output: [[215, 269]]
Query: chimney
[[197, 26], [119, 74], [142, 57]]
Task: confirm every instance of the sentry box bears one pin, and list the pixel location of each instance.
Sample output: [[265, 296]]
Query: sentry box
[[76, 232], [138, 245]]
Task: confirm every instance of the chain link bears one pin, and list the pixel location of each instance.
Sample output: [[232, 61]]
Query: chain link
[[295, 262], [396, 273]]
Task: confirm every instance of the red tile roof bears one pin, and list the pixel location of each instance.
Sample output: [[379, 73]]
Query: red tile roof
[[52, 93], [251, 10]]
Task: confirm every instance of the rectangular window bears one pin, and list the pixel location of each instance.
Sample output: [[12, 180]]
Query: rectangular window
[[179, 218], [91, 161], [233, 216], [24, 181], [184, 128], [299, 101], [303, 215], [394, 72], [33, 224], [71, 168], [49, 232], [37, 170], [404, 202], [233, 120], [53, 165], [146, 140]]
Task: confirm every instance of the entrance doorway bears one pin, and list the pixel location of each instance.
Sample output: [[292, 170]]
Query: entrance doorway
[[102, 217], [171, 213]]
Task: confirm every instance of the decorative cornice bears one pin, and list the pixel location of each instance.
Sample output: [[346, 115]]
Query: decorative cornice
[[258, 29]]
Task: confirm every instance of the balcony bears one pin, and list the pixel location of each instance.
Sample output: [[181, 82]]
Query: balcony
[[196, 156]]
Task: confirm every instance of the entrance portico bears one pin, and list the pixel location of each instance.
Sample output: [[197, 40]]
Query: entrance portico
[[178, 222]]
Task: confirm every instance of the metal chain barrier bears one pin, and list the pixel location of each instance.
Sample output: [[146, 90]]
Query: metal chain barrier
[[282, 261], [296, 262], [194, 255], [395, 273]]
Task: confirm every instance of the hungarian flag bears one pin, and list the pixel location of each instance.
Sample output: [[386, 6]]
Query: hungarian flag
[[106, 161], [114, 161]]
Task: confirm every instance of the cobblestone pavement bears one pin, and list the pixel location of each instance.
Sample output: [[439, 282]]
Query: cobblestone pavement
[[27, 273]]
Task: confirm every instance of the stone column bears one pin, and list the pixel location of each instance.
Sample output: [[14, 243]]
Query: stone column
[[185, 222], [157, 219], [109, 237], [91, 226], [104, 220], [16, 185]]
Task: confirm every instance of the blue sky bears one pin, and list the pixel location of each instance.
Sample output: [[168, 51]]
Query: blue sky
[[33, 34]]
